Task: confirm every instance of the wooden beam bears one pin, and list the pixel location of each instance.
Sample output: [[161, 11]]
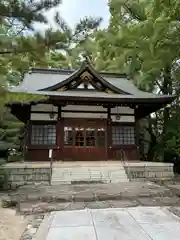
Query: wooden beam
[[122, 114], [82, 111], [75, 85]]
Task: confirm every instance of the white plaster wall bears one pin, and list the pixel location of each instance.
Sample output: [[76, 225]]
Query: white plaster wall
[[49, 107], [42, 117], [44, 108], [84, 108], [122, 110]]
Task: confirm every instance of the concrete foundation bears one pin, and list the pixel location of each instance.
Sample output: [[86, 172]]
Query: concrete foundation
[[85, 172], [149, 170]]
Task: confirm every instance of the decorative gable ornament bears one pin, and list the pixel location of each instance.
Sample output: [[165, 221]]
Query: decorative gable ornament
[[86, 78]]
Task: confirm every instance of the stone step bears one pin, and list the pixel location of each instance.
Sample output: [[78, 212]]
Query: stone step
[[88, 179], [88, 174], [90, 192], [91, 177], [57, 182]]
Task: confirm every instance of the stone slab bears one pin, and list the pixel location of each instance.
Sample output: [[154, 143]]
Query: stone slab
[[121, 232], [70, 233], [151, 215], [44, 227], [142, 223], [72, 219], [165, 231]]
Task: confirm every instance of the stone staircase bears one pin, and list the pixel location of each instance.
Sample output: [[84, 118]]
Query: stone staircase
[[88, 174]]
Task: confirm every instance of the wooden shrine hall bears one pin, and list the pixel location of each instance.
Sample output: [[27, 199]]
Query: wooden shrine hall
[[86, 115]]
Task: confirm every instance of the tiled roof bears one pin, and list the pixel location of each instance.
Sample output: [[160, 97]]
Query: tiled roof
[[40, 81], [40, 78]]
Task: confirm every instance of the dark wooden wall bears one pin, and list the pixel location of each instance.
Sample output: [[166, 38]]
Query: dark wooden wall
[[109, 152]]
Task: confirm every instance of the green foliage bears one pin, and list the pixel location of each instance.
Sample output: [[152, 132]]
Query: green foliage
[[22, 48], [9, 132], [144, 39]]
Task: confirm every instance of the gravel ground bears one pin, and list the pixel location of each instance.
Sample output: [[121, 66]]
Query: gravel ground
[[32, 227], [12, 225]]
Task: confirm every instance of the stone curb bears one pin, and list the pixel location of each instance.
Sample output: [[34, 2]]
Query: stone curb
[[30, 208], [88, 197]]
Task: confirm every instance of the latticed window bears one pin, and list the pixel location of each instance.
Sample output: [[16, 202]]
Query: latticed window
[[79, 137], [123, 135], [43, 134], [84, 137], [90, 137]]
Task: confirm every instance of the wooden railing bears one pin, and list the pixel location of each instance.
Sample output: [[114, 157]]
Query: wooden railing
[[123, 155]]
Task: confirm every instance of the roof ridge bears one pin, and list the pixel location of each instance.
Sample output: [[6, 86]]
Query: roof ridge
[[70, 71]]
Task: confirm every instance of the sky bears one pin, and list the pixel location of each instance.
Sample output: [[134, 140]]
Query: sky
[[74, 10]]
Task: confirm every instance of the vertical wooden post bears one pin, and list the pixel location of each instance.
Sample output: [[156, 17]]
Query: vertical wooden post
[[59, 134], [59, 113], [137, 133], [109, 133]]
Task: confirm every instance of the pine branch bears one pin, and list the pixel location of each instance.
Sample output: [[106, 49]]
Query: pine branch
[[159, 85], [25, 12]]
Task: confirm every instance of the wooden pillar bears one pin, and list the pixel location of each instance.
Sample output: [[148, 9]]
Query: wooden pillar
[[109, 133], [137, 133], [59, 134], [59, 113]]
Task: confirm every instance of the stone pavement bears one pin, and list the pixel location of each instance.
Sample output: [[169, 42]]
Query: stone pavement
[[90, 192], [142, 223], [88, 173]]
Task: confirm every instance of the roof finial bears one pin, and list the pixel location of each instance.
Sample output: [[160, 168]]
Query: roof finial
[[86, 59]]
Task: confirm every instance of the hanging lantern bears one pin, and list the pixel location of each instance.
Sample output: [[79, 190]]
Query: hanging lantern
[[118, 116]]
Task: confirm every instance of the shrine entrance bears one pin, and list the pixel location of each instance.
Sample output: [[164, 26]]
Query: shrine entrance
[[85, 139]]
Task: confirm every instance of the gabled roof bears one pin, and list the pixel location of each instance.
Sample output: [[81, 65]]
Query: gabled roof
[[95, 86], [85, 75], [48, 80], [85, 86]]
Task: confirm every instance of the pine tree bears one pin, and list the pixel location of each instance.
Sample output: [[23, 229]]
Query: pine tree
[[19, 52], [9, 133], [145, 43], [25, 12]]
